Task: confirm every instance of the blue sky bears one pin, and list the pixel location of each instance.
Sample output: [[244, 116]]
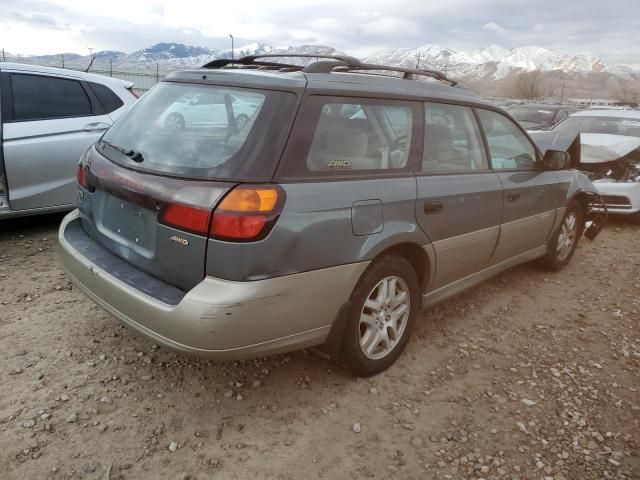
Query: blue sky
[[607, 29]]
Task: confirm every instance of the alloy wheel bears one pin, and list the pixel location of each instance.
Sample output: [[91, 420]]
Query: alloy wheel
[[384, 317], [567, 236]]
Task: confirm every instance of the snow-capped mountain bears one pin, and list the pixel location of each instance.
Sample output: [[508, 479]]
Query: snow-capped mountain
[[493, 62]]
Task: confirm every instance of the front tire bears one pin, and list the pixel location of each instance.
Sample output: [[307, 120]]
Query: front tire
[[564, 242], [384, 307]]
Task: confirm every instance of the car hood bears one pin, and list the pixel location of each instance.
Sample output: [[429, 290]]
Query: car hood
[[589, 148], [604, 148]]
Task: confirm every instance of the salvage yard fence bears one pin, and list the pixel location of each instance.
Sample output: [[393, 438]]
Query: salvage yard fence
[[142, 81]]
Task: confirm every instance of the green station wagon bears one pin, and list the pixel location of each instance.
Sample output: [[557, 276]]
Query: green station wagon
[[349, 197]]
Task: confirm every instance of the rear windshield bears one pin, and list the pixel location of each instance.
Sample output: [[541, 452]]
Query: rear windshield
[[531, 114], [203, 131], [611, 125]]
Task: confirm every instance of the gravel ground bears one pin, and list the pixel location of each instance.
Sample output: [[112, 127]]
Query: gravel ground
[[529, 376]]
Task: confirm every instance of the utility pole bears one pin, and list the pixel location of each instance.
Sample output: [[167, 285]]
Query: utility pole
[[231, 37], [418, 58], [3, 58], [562, 93], [62, 58], [111, 67]]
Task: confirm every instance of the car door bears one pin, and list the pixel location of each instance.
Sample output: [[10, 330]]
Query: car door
[[48, 123], [531, 195], [459, 201]]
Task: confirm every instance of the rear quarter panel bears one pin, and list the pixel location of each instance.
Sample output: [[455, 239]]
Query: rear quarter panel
[[315, 230]]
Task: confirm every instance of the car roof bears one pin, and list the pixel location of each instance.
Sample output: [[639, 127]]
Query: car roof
[[334, 83], [634, 114], [89, 77]]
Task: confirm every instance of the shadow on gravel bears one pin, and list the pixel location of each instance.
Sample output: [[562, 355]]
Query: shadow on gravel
[[31, 225]]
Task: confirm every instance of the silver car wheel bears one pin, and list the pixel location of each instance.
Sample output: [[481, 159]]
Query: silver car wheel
[[567, 236], [384, 317], [174, 121]]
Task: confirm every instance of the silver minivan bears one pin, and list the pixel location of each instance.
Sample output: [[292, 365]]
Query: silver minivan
[[50, 116]]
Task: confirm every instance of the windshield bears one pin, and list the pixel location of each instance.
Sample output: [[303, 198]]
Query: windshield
[[200, 131], [614, 126], [531, 114]]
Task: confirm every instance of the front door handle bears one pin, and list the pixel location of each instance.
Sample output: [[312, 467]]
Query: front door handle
[[96, 126], [513, 196], [432, 207]]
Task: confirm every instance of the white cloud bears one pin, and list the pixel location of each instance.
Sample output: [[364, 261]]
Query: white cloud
[[494, 28], [358, 26]]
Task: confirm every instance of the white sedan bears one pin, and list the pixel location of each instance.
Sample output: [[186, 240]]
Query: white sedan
[[206, 109], [610, 154]]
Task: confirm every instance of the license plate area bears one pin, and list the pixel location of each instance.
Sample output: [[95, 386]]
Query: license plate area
[[129, 224]]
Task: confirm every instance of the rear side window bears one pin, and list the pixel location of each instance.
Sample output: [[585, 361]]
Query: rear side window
[[37, 97], [203, 131], [109, 100], [510, 149], [452, 140], [359, 136]]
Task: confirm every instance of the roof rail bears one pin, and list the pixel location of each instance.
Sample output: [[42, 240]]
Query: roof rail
[[251, 59], [328, 64]]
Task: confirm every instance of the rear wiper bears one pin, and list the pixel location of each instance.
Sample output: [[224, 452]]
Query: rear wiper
[[132, 154]]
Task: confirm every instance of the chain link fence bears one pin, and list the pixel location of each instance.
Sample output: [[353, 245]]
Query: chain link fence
[[142, 81]]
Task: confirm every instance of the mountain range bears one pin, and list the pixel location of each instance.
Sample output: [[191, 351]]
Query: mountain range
[[493, 62], [492, 71]]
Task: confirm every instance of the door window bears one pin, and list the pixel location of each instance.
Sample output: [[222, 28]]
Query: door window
[[509, 147], [360, 136], [452, 140], [37, 97]]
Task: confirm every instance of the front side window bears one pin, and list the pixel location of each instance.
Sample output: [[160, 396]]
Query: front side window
[[37, 97], [452, 140], [360, 136], [509, 147]]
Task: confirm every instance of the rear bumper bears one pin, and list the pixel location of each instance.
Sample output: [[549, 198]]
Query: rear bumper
[[220, 319], [621, 198]]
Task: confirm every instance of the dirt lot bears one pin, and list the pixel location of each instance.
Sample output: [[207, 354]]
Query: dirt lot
[[529, 376]]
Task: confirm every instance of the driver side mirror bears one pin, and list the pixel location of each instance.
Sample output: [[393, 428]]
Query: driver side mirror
[[556, 160]]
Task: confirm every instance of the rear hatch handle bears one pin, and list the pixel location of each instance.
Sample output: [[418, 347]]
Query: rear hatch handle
[[96, 126]]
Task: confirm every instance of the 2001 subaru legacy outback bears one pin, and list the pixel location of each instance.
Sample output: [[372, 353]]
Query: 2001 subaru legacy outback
[[342, 206]]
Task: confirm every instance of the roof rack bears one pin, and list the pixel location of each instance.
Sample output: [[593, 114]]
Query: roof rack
[[328, 64]]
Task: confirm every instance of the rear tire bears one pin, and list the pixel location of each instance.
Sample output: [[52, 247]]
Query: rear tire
[[564, 242], [384, 307]]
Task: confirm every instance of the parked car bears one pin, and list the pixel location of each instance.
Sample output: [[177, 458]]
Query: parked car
[[536, 116], [50, 116], [205, 109], [610, 155], [347, 204]]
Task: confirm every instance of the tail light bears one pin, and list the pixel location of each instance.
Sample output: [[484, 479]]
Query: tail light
[[186, 218], [247, 213], [130, 89], [81, 176]]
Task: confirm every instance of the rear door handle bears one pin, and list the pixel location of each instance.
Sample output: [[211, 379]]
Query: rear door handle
[[96, 126], [432, 207], [513, 196]]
